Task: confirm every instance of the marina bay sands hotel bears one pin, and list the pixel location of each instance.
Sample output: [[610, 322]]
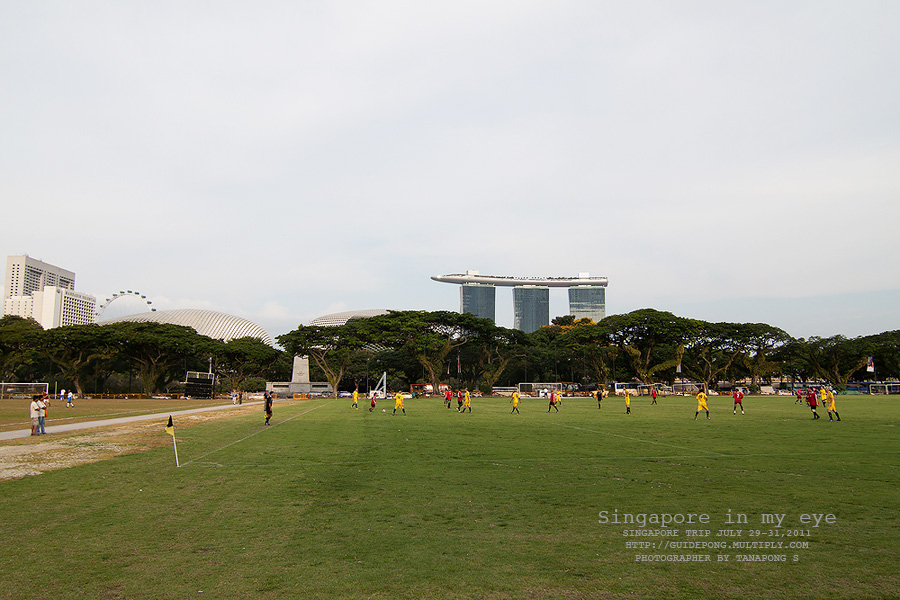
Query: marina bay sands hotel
[[531, 296]]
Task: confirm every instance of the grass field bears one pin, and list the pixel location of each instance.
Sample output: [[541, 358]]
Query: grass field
[[335, 503]]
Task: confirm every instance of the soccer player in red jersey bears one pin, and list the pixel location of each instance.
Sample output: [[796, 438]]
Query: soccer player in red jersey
[[553, 402], [812, 398], [738, 401]]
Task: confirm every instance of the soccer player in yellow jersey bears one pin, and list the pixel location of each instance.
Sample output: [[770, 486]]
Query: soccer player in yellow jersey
[[515, 403], [701, 405], [627, 402], [355, 399], [467, 402], [831, 409], [398, 403]]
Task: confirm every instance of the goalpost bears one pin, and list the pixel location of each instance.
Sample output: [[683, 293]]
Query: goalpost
[[380, 389], [22, 390], [539, 390]]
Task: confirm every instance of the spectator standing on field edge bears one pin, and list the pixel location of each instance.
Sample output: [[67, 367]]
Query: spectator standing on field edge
[[35, 413], [43, 403]]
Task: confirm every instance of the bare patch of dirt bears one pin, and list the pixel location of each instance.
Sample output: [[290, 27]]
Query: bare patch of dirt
[[35, 455]]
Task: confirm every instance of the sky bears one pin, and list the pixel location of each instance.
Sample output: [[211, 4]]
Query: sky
[[279, 161]]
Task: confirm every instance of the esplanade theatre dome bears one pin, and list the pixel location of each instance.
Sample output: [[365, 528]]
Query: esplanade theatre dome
[[342, 318], [210, 323]]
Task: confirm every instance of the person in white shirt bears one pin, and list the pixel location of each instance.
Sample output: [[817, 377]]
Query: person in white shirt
[[35, 412]]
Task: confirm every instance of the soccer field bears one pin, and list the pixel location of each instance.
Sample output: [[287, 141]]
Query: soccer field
[[330, 502]]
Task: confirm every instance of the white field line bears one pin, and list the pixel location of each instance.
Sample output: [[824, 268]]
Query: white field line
[[507, 462], [254, 434]]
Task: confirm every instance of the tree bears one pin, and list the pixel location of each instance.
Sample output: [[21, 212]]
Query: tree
[[242, 358], [159, 351], [591, 342], [19, 339], [885, 349], [760, 342], [496, 350], [331, 347], [652, 340], [428, 336], [795, 359], [80, 352], [837, 358], [712, 350]]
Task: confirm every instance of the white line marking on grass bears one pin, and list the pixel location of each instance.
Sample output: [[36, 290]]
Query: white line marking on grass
[[624, 437], [509, 462], [255, 433]]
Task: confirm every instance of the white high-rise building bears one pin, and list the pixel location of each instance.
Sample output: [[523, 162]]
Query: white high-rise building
[[46, 293], [26, 275]]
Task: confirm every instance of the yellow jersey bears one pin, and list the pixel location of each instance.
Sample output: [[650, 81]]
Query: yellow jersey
[[398, 400], [701, 400]]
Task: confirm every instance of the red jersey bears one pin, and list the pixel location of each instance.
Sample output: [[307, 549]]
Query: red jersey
[[738, 396]]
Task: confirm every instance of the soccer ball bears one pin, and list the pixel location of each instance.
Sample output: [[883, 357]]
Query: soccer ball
[[383, 410]]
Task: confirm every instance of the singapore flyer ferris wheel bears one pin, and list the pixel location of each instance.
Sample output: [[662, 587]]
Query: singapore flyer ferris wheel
[[122, 304]]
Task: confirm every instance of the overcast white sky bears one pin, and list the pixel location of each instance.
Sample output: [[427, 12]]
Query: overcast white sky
[[733, 161]]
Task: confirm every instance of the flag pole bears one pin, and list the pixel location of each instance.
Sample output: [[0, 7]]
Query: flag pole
[[170, 429]]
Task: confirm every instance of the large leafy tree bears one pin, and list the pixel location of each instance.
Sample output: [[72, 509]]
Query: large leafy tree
[[495, 349], [886, 352], [796, 360], [712, 350], [331, 347], [159, 351], [591, 343], [652, 340], [430, 337], [79, 351], [837, 358], [242, 358], [19, 340], [761, 343]]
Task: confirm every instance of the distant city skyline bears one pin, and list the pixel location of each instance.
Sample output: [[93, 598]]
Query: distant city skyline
[[531, 296]]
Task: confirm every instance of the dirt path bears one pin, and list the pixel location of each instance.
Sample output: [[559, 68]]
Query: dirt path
[[35, 455]]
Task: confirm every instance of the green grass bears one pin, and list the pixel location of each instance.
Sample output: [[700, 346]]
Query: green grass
[[335, 503]]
